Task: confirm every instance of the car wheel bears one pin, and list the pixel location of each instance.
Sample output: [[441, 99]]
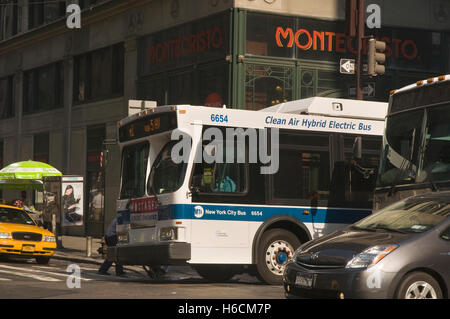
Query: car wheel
[[42, 260], [216, 273], [419, 285], [276, 249]]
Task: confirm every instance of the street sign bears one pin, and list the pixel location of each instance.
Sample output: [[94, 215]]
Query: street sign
[[347, 66], [368, 90]]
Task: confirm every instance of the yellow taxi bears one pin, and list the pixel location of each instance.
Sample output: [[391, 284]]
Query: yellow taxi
[[20, 236]]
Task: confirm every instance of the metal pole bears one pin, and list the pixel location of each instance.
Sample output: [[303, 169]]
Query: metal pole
[[54, 224], [88, 246], [360, 36]]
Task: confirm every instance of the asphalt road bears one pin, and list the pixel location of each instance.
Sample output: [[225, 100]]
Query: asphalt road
[[24, 279]]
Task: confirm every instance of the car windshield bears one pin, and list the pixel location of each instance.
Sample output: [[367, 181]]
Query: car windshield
[[15, 216], [166, 175], [411, 215]]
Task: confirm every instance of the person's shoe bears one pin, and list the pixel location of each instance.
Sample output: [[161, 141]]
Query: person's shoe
[[103, 273]]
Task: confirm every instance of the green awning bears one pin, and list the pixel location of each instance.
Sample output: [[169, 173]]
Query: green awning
[[22, 175]]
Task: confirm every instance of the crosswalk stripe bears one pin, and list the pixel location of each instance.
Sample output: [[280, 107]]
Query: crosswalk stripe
[[5, 279], [41, 271], [28, 275]]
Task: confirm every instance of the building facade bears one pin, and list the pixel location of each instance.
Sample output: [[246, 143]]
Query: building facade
[[63, 90]]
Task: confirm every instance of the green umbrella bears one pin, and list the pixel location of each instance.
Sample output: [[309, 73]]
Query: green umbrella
[[22, 175]]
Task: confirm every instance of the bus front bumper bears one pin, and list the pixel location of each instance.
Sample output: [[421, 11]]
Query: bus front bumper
[[171, 253]]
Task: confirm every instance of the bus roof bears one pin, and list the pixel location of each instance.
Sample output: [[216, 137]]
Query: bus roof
[[333, 107], [426, 82]]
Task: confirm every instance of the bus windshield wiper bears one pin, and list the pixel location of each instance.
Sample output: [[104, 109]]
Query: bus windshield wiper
[[152, 191]]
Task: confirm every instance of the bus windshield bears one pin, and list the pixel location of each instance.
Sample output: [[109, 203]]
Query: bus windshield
[[436, 159], [402, 140], [415, 150], [166, 175], [134, 169]]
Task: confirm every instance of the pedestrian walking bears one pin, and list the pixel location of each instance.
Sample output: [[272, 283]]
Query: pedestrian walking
[[111, 240]]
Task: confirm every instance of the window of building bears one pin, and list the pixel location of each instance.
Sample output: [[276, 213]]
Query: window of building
[[99, 74], [43, 88], [41, 151], [204, 85], [153, 89], [6, 98], [267, 85], [95, 180], [263, 30], [40, 12], [181, 88], [35, 13], [9, 15], [213, 85]]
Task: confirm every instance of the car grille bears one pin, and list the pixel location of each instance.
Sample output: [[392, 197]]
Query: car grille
[[27, 236]]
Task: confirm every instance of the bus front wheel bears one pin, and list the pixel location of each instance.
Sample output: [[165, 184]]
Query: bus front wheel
[[276, 249]]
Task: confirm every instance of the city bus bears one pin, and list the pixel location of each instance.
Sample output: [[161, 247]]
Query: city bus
[[416, 143], [229, 191]]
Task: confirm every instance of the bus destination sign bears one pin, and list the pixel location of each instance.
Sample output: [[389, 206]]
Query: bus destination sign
[[148, 125]]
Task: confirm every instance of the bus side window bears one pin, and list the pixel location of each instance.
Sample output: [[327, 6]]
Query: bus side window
[[353, 179], [220, 177], [304, 170]]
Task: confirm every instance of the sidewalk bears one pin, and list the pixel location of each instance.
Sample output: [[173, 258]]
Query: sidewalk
[[75, 249]]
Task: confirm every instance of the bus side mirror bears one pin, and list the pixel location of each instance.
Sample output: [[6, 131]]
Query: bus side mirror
[[357, 148]]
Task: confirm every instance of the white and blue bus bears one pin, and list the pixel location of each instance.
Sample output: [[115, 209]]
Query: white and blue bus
[[303, 169]]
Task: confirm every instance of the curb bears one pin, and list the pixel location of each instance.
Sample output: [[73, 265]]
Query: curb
[[77, 259]]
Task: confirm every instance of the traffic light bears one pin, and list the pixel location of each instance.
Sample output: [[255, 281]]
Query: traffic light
[[376, 56]]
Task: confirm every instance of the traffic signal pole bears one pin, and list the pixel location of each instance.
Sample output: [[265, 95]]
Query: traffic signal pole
[[359, 38]]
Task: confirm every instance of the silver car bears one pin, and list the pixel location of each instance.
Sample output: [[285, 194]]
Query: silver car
[[402, 251]]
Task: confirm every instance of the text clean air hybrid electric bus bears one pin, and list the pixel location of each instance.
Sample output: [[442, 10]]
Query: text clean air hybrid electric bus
[[416, 143], [228, 190]]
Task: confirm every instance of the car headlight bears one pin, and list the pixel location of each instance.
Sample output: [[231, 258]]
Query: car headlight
[[5, 236], [371, 256], [297, 252], [50, 239]]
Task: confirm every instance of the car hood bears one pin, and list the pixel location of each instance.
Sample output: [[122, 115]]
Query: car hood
[[9, 228], [337, 249]]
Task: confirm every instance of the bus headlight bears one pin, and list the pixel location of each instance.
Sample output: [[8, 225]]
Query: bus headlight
[[168, 233]]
